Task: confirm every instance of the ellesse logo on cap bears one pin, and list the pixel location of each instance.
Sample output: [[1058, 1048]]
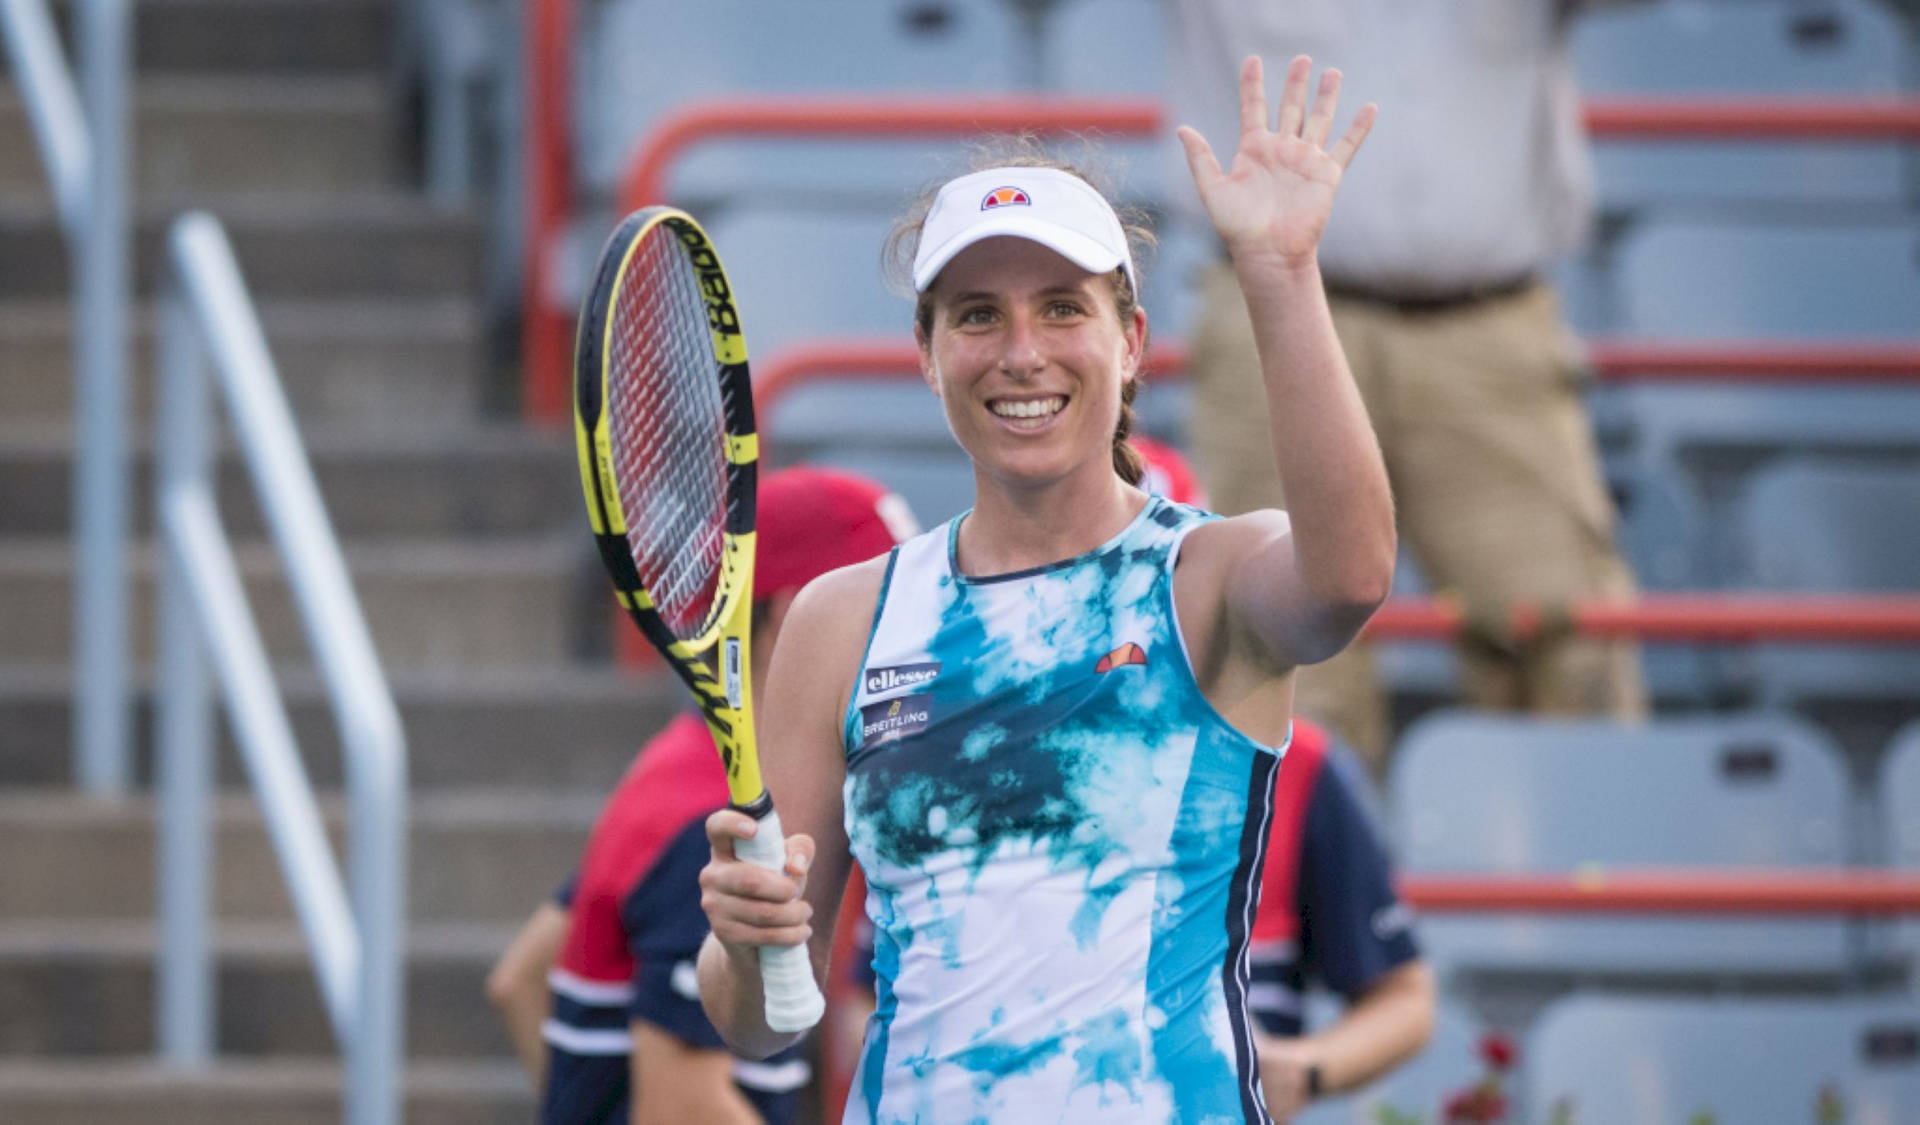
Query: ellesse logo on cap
[[1006, 197]]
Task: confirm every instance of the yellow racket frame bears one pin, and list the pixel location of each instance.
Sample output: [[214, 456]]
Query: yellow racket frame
[[721, 688]]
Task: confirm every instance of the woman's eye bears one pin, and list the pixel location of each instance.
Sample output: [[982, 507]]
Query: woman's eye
[[1063, 309], [977, 315]]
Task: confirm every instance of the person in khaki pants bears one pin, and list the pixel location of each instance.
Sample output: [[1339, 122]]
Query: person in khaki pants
[[1435, 271]]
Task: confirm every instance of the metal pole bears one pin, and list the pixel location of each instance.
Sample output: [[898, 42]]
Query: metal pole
[[183, 733], [101, 757], [377, 837]]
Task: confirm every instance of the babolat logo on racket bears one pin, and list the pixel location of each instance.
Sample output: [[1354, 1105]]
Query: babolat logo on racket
[[900, 676], [722, 317], [896, 718]]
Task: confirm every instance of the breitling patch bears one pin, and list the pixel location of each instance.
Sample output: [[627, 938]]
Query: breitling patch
[[894, 718]]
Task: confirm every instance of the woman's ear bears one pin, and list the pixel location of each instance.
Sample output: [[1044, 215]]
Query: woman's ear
[[925, 345], [1136, 342]]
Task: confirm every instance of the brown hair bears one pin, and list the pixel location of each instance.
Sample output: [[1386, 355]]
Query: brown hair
[[1023, 150]]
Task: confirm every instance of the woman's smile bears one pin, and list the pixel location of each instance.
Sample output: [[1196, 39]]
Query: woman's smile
[[1028, 414]]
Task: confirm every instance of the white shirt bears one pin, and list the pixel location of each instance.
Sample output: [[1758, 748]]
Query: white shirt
[[1476, 172]]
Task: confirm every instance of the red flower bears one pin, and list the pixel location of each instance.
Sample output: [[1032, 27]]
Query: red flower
[[1497, 1051]]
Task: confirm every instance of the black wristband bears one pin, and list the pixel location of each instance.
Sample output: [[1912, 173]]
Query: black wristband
[[1314, 1086]]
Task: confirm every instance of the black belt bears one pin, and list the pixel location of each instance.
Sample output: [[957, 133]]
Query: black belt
[[1434, 303]]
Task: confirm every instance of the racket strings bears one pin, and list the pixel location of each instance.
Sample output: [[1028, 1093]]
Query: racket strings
[[668, 432]]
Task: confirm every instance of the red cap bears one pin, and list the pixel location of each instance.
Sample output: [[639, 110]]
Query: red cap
[[813, 520], [1167, 472]]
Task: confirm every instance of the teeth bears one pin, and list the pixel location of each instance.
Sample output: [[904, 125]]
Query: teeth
[[1032, 408]]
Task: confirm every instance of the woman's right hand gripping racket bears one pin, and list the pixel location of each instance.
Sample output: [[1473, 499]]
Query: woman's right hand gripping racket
[[663, 422]]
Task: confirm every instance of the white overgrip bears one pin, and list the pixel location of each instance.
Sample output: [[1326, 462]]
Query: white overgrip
[[794, 1002]]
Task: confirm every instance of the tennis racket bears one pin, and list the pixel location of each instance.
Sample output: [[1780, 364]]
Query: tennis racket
[[663, 424]]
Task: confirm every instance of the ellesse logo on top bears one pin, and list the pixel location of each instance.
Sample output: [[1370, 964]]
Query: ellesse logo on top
[[900, 676], [1126, 654]]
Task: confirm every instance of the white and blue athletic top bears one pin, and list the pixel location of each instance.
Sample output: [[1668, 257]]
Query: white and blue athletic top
[[1062, 842]]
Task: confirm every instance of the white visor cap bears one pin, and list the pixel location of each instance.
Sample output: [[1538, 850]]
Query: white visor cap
[[1057, 209]]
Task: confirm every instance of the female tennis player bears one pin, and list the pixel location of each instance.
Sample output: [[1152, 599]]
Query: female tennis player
[[1048, 730]]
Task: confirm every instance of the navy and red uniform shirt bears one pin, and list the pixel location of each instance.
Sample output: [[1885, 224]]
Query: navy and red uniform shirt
[[1328, 912], [636, 930]]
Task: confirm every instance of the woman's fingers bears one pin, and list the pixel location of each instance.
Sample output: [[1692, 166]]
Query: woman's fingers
[[1200, 159], [1253, 96], [1319, 124], [747, 904], [1293, 97], [1349, 142]]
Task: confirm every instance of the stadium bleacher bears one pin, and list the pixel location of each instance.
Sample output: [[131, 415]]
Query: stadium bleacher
[[1488, 794], [1898, 791], [1671, 1061], [1830, 525]]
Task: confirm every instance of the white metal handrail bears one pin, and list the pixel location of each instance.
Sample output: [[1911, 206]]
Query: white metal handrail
[[357, 948], [86, 156]]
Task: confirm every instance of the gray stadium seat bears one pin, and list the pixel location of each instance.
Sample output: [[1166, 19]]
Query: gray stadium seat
[[641, 58], [802, 273], [1755, 46], [1663, 534], [1770, 47], [1420, 1086], [1823, 526], [1107, 47], [1829, 525], [1675, 1061], [1743, 279], [1501, 795], [1899, 796]]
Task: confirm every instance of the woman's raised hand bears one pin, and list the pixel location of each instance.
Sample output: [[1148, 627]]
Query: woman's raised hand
[[1278, 194]]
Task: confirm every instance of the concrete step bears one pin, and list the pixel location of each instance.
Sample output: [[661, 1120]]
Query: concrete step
[[231, 1091], [479, 857], [431, 603], [384, 245], [195, 137], [247, 36], [545, 729], [432, 480], [87, 988], [340, 360]]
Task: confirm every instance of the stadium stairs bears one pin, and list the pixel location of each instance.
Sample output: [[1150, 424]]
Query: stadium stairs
[[463, 534]]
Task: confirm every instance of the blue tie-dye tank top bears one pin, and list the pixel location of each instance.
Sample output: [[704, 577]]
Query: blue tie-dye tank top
[[1062, 842]]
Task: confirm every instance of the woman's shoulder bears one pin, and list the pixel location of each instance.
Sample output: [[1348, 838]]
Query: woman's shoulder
[[846, 595], [1222, 539]]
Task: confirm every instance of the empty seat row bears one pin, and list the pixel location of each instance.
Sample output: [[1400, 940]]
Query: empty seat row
[[1666, 1060]]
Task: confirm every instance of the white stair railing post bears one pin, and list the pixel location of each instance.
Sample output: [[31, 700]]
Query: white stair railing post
[[183, 710]]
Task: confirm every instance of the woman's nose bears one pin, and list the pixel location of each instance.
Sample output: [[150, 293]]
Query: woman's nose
[[1020, 357]]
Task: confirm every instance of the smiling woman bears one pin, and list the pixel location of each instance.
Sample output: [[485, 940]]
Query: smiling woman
[[1049, 729], [1096, 236]]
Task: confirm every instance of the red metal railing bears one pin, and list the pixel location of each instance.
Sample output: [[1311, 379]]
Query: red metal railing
[[546, 329], [1614, 361], [1716, 891]]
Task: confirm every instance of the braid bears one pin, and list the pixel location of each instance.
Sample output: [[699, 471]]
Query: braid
[[1126, 459]]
